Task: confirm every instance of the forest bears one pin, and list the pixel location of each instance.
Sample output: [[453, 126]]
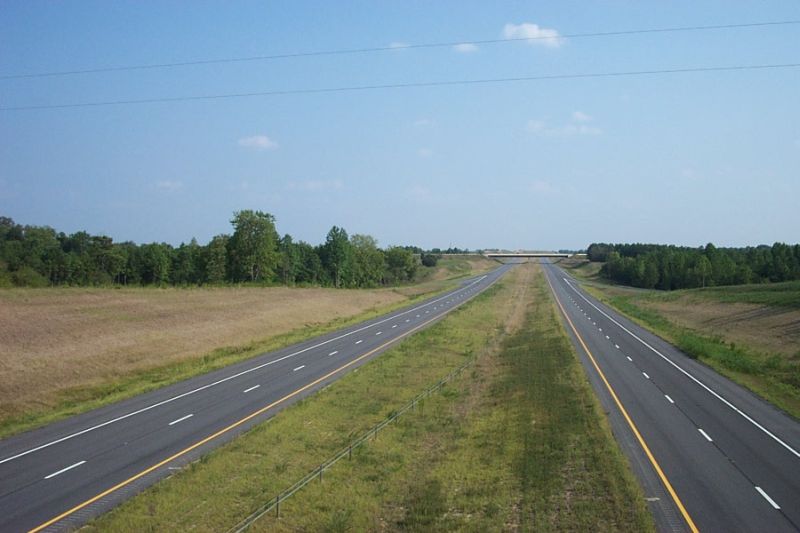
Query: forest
[[38, 256], [667, 267]]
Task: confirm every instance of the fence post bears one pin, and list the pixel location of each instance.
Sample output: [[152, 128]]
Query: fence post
[[278, 506], [350, 453]]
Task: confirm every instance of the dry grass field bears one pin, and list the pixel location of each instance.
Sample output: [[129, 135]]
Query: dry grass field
[[52, 340]]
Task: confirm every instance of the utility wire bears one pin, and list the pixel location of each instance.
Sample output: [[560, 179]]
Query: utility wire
[[445, 83], [390, 48]]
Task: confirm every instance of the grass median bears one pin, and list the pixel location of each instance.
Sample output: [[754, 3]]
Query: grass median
[[517, 442]]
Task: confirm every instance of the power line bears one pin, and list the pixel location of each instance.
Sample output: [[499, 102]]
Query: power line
[[346, 51], [444, 83]]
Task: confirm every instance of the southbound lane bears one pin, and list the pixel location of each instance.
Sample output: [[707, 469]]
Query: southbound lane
[[60, 476], [728, 460]]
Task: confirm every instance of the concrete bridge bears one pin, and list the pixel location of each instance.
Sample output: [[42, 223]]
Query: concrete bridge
[[514, 255]]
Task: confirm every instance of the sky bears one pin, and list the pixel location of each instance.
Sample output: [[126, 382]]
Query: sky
[[550, 164]]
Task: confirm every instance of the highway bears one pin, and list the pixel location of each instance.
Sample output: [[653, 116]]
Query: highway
[[58, 477], [710, 455]]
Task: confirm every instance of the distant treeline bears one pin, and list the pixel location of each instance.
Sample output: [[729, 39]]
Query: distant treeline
[[673, 267], [40, 256]]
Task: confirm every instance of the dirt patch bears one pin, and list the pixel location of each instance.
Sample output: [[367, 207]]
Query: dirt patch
[[56, 339], [763, 328]]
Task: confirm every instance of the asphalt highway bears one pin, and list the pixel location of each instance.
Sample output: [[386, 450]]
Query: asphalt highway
[[60, 476], [711, 455]]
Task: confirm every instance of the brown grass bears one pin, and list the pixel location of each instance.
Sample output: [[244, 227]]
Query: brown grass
[[52, 340]]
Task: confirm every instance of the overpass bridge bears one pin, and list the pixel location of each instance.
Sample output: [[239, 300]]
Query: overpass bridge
[[514, 255]]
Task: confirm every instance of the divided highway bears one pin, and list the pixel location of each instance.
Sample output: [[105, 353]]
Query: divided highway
[[58, 477], [711, 455]]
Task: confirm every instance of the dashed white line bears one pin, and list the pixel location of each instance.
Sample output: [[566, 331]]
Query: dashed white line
[[378, 333], [54, 474], [669, 399], [705, 435], [601, 329], [607, 337], [766, 497], [301, 367], [359, 341], [629, 358], [408, 320], [254, 387], [616, 346], [181, 419], [333, 353], [645, 375], [690, 376], [394, 326]]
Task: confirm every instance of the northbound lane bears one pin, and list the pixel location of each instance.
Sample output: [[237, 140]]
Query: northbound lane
[[728, 460]]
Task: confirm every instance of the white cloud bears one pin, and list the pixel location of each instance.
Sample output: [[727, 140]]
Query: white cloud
[[575, 127], [258, 142], [579, 116], [315, 185], [169, 185], [547, 37], [425, 152], [465, 48], [397, 46]]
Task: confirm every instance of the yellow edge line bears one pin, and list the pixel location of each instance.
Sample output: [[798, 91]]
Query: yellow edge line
[[633, 427], [227, 429]]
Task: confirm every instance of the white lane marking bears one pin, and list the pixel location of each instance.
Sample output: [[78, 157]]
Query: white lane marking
[[690, 376], [629, 358], [254, 387], [616, 346], [601, 329], [705, 435], [645, 375], [79, 463], [181, 419], [607, 337], [379, 333], [408, 320], [669, 399], [359, 342], [394, 326], [333, 353], [417, 316], [301, 367], [766, 497], [228, 378], [427, 311]]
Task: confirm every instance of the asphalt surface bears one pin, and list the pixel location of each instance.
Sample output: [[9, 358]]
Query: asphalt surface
[[732, 459], [60, 476]]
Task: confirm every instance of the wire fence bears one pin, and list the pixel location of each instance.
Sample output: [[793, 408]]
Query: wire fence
[[274, 504]]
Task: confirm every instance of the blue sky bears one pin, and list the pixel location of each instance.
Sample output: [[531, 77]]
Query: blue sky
[[685, 158]]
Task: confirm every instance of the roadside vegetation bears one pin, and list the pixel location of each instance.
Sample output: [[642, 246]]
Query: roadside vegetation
[[748, 333], [68, 350], [38, 256], [517, 442]]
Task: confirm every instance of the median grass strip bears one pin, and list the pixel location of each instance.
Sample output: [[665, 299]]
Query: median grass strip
[[747, 333], [516, 442]]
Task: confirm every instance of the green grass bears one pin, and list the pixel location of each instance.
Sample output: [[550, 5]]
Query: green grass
[[785, 294], [81, 399], [518, 441], [775, 378]]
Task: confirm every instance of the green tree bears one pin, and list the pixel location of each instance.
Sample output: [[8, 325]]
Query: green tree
[[337, 256], [401, 264], [369, 267], [215, 259], [253, 248]]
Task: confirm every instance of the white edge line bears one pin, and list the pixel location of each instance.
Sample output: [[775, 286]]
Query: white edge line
[[690, 376], [705, 435], [766, 497], [54, 474], [181, 419], [234, 376]]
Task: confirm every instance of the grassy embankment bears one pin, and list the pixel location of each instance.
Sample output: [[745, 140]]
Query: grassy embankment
[[750, 333], [516, 442], [67, 350]]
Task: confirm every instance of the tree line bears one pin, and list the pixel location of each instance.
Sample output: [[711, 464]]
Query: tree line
[[254, 252], [657, 266]]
